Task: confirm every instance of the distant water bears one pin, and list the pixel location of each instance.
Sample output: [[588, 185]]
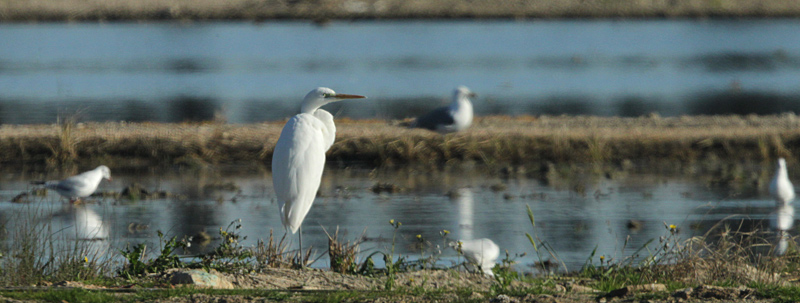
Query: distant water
[[252, 72]]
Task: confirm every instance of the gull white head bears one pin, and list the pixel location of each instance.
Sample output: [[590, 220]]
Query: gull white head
[[462, 92], [104, 171], [320, 96]]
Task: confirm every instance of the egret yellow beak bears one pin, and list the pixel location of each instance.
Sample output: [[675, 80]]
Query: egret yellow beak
[[346, 96]]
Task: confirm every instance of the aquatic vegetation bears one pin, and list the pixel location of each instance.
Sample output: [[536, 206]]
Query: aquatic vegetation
[[36, 250], [729, 255], [139, 265]]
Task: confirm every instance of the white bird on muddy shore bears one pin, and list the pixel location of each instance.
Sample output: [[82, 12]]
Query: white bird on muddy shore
[[780, 187], [299, 156], [480, 252], [453, 118], [79, 186]]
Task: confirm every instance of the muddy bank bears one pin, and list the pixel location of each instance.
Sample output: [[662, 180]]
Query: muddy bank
[[516, 141], [115, 10]]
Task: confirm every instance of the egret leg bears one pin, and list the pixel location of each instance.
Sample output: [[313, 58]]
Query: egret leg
[[300, 234]]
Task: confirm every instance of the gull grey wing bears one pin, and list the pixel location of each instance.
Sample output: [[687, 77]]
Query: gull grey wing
[[71, 183], [431, 120]]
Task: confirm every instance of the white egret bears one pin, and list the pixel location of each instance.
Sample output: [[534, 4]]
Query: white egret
[[480, 252], [79, 186], [780, 187], [299, 156], [453, 118]]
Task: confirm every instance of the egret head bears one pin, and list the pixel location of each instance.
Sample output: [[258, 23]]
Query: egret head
[[321, 96], [781, 163], [106, 173], [462, 92]]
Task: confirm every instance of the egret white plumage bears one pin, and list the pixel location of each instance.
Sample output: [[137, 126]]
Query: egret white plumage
[[479, 252], [780, 187], [453, 118], [299, 156], [79, 186]]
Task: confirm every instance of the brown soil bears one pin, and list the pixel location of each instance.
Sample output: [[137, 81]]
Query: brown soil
[[91, 10]]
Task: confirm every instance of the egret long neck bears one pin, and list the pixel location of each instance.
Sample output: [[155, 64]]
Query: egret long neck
[[310, 106]]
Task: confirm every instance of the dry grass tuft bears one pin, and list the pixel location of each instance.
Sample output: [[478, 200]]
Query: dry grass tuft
[[725, 255], [65, 151], [342, 254], [272, 254], [39, 253]]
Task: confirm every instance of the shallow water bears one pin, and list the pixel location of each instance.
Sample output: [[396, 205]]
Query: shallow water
[[252, 72], [577, 209]]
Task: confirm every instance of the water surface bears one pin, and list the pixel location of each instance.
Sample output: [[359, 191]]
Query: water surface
[[253, 72], [577, 209]]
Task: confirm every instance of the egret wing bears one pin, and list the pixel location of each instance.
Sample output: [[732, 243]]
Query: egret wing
[[297, 164], [329, 133]]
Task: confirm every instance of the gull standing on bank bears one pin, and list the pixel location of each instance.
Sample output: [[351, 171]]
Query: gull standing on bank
[[453, 118], [299, 156], [780, 187], [79, 186]]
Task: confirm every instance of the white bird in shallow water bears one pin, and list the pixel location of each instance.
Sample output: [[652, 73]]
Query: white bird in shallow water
[[453, 118], [480, 252], [79, 186], [299, 156], [780, 187]]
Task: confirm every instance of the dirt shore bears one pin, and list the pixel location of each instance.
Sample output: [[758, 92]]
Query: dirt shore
[[499, 140], [285, 285], [111, 10]]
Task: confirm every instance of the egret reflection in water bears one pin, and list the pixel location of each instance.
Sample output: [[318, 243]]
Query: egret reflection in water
[[782, 222], [466, 210]]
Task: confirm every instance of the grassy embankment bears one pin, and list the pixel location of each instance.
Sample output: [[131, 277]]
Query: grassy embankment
[[91, 10], [516, 142]]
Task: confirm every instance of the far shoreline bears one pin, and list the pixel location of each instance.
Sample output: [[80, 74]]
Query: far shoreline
[[321, 12]]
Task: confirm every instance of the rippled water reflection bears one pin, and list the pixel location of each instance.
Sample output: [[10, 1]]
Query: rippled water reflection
[[577, 208]]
